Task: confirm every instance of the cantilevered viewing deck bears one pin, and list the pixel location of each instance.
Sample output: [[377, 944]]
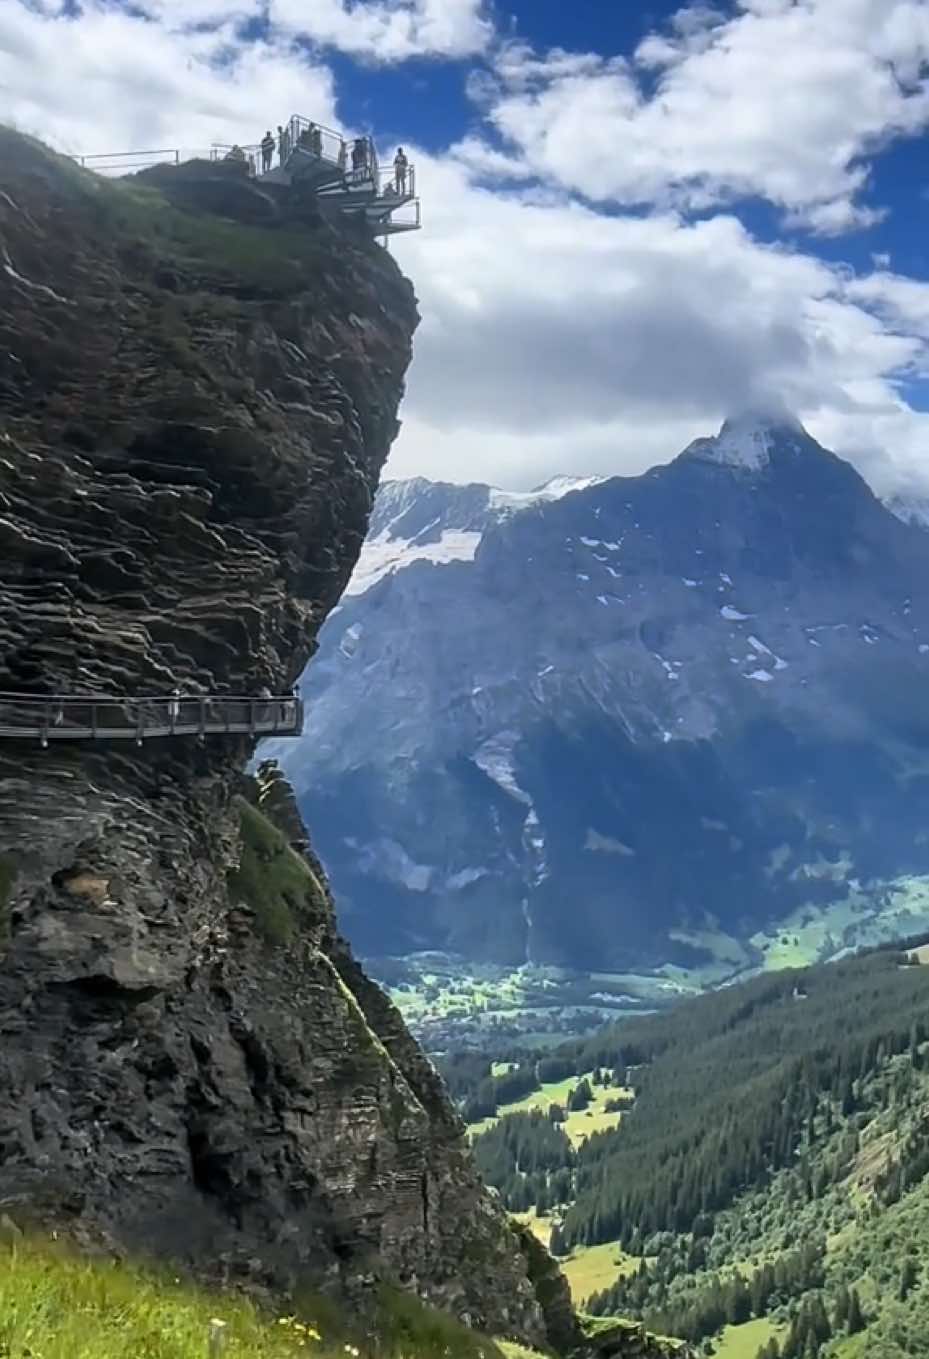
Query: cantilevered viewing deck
[[342, 171], [68, 717]]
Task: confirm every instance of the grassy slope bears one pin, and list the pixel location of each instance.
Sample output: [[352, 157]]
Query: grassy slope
[[276, 883], [578, 1126], [590, 1269], [744, 1342], [55, 1305]]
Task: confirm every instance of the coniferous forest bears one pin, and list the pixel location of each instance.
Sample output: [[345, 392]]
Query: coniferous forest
[[771, 1161]]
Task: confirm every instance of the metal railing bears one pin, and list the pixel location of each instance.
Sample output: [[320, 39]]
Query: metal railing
[[113, 718], [124, 162], [302, 134], [343, 170], [399, 188]]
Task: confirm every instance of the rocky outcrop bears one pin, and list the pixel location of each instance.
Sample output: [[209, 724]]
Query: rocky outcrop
[[616, 1338], [194, 410]]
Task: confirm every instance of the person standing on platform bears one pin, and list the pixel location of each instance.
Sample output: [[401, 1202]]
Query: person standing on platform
[[267, 151]]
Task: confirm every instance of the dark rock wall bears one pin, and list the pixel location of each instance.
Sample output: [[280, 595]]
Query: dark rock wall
[[193, 416]]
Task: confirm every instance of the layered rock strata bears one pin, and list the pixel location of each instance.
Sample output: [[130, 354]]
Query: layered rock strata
[[198, 388]]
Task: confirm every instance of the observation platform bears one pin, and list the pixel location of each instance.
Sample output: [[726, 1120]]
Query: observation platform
[[115, 718], [344, 173]]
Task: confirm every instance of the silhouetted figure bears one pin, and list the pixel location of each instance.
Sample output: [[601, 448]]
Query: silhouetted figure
[[283, 143], [359, 158], [316, 141], [267, 151], [401, 170]]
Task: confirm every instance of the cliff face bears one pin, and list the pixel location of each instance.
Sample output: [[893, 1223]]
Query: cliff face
[[194, 411]]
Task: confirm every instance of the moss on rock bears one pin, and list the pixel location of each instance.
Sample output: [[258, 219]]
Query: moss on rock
[[277, 885]]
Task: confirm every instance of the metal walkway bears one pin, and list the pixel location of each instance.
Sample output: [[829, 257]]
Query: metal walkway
[[344, 173], [67, 718]]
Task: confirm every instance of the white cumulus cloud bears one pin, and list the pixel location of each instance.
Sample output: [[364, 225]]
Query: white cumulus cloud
[[104, 79], [556, 338], [559, 336], [782, 100], [389, 30]]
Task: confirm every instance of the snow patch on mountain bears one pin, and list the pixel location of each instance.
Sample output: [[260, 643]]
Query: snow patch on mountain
[[495, 759], [910, 509], [513, 501], [745, 441], [381, 556], [420, 520]]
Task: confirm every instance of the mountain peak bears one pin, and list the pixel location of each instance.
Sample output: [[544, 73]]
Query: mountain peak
[[746, 439]]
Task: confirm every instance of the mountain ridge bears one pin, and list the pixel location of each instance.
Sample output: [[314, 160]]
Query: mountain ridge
[[706, 608]]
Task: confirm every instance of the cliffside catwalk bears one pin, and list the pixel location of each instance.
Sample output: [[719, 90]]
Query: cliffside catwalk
[[199, 381]]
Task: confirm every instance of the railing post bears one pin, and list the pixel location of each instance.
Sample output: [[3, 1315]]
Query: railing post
[[93, 721], [251, 716], [203, 717]]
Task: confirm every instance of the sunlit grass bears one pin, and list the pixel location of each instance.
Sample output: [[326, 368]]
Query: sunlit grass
[[590, 1269], [57, 1304]]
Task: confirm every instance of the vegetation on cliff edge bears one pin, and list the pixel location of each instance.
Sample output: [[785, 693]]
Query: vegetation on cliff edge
[[55, 1304], [271, 879]]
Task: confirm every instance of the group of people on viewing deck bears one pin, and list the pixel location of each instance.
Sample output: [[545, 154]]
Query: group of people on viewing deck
[[310, 139]]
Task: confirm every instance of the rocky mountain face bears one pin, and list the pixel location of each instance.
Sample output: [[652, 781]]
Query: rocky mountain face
[[198, 387], [644, 722]]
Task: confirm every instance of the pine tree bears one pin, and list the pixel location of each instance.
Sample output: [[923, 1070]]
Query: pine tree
[[580, 1096], [855, 1322], [908, 1276]]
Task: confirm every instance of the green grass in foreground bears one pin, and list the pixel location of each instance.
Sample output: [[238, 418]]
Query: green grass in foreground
[[55, 1304]]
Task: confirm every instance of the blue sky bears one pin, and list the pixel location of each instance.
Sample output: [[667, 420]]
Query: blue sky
[[394, 97], [638, 217]]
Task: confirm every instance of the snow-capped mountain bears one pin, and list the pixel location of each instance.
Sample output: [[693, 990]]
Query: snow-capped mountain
[[603, 724], [422, 520]]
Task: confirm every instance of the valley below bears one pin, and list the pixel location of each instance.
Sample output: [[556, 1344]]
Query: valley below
[[449, 1002], [746, 1170]]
